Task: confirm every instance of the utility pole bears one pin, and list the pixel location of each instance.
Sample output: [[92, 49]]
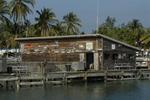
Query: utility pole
[[97, 17]]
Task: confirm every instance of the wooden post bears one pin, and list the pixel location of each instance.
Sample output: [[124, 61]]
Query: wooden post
[[102, 55], [96, 61], [43, 81], [7, 85], [105, 77], [96, 56], [44, 71], [18, 84], [122, 73], [85, 76], [65, 78]]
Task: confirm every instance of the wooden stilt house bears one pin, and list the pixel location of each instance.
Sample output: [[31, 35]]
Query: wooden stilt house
[[78, 52]]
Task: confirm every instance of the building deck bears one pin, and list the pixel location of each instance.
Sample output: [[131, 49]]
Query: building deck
[[67, 77]]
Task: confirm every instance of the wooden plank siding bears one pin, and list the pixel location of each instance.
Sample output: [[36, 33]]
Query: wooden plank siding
[[116, 54], [96, 49], [57, 50]]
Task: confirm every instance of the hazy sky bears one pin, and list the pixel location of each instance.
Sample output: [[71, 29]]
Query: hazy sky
[[122, 10]]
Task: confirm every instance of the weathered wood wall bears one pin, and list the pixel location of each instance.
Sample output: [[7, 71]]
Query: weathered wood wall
[[116, 53], [106, 52], [56, 50]]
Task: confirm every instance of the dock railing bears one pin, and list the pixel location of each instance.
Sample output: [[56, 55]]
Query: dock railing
[[58, 70]]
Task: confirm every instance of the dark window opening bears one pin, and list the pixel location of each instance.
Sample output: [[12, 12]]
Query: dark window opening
[[115, 56], [119, 56], [131, 56], [106, 56]]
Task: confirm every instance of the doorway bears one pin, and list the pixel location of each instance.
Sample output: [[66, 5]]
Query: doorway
[[89, 60]]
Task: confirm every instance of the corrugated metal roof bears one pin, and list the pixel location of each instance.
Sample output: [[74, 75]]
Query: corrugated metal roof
[[74, 37]]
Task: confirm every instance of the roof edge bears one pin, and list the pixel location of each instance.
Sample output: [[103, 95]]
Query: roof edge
[[78, 36]]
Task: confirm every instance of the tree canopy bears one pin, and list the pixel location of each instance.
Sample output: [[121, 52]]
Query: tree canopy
[[45, 19], [71, 23], [14, 23], [132, 33]]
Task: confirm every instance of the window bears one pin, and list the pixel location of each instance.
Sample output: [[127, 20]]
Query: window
[[130, 56], [106, 56], [119, 56], [115, 56], [124, 55]]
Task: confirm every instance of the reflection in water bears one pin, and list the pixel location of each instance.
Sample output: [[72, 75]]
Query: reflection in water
[[125, 90]]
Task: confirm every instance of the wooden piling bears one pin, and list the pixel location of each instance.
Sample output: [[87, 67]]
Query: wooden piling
[[105, 77], [6, 84], [65, 77], [18, 84], [65, 80], [85, 76]]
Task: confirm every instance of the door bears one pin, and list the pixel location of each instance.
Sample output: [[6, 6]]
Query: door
[[89, 59]]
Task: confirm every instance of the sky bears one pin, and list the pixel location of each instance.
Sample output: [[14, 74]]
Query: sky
[[86, 10]]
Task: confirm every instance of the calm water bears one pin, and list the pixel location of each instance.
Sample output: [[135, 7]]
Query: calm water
[[126, 90]]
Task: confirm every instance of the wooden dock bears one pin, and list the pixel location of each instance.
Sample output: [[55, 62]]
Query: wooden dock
[[67, 77], [7, 80]]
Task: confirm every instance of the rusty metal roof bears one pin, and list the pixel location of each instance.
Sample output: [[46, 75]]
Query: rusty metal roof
[[76, 37]]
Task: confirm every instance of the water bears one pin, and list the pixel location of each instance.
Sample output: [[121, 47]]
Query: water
[[125, 90]]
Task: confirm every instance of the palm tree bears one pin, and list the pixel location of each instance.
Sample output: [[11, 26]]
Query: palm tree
[[7, 36], [136, 29], [45, 20], [110, 22], [135, 24], [107, 27], [7, 40], [71, 23], [145, 41], [58, 29], [19, 9], [3, 10], [27, 25]]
